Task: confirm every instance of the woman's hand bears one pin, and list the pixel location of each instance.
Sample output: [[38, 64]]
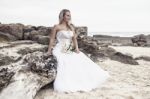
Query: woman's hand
[[49, 53], [77, 51]]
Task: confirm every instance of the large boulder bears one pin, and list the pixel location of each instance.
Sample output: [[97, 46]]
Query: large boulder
[[81, 30], [139, 40], [30, 31], [24, 69], [5, 37], [27, 77], [13, 29]]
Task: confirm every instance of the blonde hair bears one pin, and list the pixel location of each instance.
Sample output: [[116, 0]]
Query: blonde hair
[[61, 17]]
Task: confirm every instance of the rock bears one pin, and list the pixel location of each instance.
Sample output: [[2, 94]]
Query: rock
[[146, 58], [38, 34], [41, 63], [13, 29], [123, 58], [99, 51], [139, 40], [5, 77], [17, 43], [107, 51], [81, 30], [113, 40], [29, 32], [32, 73], [5, 60], [41, 39], [32, 34], [91, 45], [5, 28], [27, 50], [5, 37], [26, 36], [148, 40], [28, 28], [13, 51], [45, 31]]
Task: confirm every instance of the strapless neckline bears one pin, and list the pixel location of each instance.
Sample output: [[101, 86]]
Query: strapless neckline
[[64, 30]]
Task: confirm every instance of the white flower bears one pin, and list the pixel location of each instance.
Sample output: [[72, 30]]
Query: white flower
[[67, 48]]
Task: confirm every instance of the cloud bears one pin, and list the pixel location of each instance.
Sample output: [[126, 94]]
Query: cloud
[[98, 15]]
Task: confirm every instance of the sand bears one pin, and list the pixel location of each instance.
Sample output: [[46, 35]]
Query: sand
[[134, 51], [126, 82]]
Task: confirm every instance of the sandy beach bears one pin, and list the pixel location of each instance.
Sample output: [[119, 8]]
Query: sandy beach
[[126, 82]]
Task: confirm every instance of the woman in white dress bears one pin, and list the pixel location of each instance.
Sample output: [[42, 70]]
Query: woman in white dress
[[75, 71]]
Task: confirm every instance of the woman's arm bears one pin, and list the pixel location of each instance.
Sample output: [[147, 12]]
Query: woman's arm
[[52, 38], [75, 42]]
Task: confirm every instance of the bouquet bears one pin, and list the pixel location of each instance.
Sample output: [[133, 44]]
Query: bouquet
[[68, 48]]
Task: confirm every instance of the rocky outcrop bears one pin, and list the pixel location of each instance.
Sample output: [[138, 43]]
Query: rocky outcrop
[[139, 40], [25, 76], [15, 30], [81, 30], [114, 40], [5, 37], [5, 60], [41, 63], [40, 34], [146, 58], [5, 77], [98, 51], [123, 58]]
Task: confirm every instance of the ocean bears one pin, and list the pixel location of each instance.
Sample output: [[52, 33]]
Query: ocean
[[121, 34]]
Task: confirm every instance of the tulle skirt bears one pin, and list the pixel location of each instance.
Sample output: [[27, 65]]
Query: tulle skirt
[[77, 72]]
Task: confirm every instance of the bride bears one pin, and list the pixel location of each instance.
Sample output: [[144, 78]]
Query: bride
[[75, 71]]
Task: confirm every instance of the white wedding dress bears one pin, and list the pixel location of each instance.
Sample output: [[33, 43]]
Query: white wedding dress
[[75, 71]]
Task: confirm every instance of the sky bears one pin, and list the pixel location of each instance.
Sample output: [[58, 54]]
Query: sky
[[98, 15]]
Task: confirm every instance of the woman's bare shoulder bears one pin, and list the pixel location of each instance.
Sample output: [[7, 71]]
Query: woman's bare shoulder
[[56, 26]]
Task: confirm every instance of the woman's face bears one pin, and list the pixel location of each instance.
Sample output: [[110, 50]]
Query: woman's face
[[67, 17]]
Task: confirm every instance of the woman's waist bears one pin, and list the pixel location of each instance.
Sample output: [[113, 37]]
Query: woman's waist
[[62, 43], [63, 40], [62, 46]]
